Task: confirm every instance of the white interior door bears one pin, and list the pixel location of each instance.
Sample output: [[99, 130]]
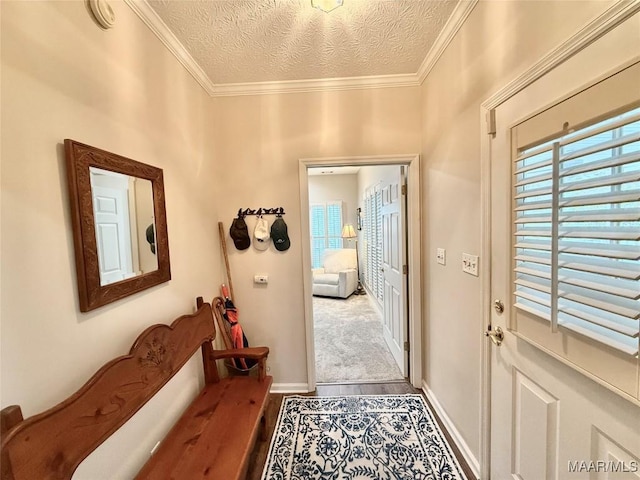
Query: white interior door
[[113, 237], [549, 421], [394, 275]]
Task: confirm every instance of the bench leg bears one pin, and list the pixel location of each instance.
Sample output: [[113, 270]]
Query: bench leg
[[263, 427]]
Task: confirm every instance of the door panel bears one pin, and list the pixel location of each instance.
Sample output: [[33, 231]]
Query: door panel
[[394, 279], [548, 420], [111, 214]]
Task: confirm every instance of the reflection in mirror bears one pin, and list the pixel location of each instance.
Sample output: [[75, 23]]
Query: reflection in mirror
[[119, 224], [124, 223]]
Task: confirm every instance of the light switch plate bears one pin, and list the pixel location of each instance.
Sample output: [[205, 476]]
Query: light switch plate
[[441, 256], [470, 264]]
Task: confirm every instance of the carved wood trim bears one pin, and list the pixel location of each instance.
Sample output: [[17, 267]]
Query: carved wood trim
[[91, 294]]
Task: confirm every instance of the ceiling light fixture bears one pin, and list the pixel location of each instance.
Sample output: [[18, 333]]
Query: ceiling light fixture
[[326, 5]]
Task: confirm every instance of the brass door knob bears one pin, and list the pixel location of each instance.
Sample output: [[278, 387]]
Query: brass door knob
[[496, 336]]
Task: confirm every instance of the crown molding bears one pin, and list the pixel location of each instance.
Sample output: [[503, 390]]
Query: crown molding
[[316, 85], [454, 23], [598, 27], [149, 16]]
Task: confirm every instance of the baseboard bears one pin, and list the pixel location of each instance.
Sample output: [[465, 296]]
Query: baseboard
[[470, 458], [289, 388]]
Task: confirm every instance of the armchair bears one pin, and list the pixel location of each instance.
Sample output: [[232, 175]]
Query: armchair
[[338, 276]]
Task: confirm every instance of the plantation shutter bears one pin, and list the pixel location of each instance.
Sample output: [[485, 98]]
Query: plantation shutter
[[378, 255], [326, 228], [318, 221], [373, 241], [334, 225], [577, 228]]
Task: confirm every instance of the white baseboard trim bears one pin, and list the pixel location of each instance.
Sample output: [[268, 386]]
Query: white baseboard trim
[[470, 458], [289, 388]]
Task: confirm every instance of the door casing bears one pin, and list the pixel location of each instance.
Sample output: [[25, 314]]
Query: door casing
[[414, 247]]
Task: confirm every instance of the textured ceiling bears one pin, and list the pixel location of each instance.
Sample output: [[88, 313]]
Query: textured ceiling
[[242, 41]]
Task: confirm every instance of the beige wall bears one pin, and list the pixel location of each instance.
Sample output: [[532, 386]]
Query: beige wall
[[259, 141], [498, 41], [120, 90]]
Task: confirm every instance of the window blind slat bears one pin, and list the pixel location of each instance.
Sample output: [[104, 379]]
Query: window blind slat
[[534, 259], [606, 181], [626, 330], [610, 268], [535, 311], [533, 272], [575, 248], [599, 147], [612, 288], [620, 196], [623, 311], [611, 162], [541, 300], [592, 131], [541, 287], [631, 350], [533, 179], [614, 215]]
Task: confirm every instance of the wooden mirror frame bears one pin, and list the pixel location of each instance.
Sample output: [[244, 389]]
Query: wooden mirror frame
[[91, 293]]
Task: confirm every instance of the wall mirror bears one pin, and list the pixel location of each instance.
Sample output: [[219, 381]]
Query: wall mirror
[[119, 224]]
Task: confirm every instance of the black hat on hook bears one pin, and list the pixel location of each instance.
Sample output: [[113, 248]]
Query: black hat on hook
[[279, 235], [240, 233]]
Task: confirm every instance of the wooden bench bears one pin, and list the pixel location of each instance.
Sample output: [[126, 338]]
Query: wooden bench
[[212, 439]]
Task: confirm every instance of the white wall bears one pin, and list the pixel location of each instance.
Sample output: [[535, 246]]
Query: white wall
[[260, 140], [120, 90], [327, 188], [498, 41]]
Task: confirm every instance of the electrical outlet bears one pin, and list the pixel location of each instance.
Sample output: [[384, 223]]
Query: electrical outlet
[[262, 279], [470, 264], [441, 256]]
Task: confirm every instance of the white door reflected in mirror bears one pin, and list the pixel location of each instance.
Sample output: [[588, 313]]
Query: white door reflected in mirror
[[125, 227]]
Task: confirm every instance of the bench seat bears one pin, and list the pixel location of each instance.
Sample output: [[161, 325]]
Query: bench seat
[[215, 435]]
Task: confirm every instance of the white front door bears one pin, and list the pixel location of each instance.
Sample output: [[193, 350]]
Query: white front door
[[549, 420], [111, 216], [394, 275]]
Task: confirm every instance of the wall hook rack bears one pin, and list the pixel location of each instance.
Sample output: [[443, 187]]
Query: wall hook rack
[[279, 211]]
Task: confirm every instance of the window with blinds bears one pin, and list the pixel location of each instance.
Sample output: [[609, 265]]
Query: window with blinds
[[326, 229], [577, 231]]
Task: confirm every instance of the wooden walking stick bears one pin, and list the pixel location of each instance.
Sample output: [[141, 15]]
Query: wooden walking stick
[[223, 242]]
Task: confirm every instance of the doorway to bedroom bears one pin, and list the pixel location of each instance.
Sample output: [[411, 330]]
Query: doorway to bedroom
[[357, 232]]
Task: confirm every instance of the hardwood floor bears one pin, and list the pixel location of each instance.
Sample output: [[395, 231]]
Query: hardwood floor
[[261, 450]]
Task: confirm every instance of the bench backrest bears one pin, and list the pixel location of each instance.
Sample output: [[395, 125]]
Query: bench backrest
[[52, 444]]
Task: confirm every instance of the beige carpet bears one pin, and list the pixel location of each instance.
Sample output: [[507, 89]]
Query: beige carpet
[[349, 343]]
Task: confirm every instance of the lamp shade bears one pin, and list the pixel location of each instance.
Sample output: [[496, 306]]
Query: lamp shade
[[326, 5], [348, 231]]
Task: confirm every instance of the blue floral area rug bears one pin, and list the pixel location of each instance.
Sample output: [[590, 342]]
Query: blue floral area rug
[[359, 437]]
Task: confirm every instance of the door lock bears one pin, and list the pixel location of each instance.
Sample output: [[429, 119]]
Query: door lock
[[496, 336], [498, 305]]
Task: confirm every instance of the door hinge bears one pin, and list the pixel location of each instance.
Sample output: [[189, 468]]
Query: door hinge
[[404, 189], [491, 122], [406, 346], [405, 269]]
